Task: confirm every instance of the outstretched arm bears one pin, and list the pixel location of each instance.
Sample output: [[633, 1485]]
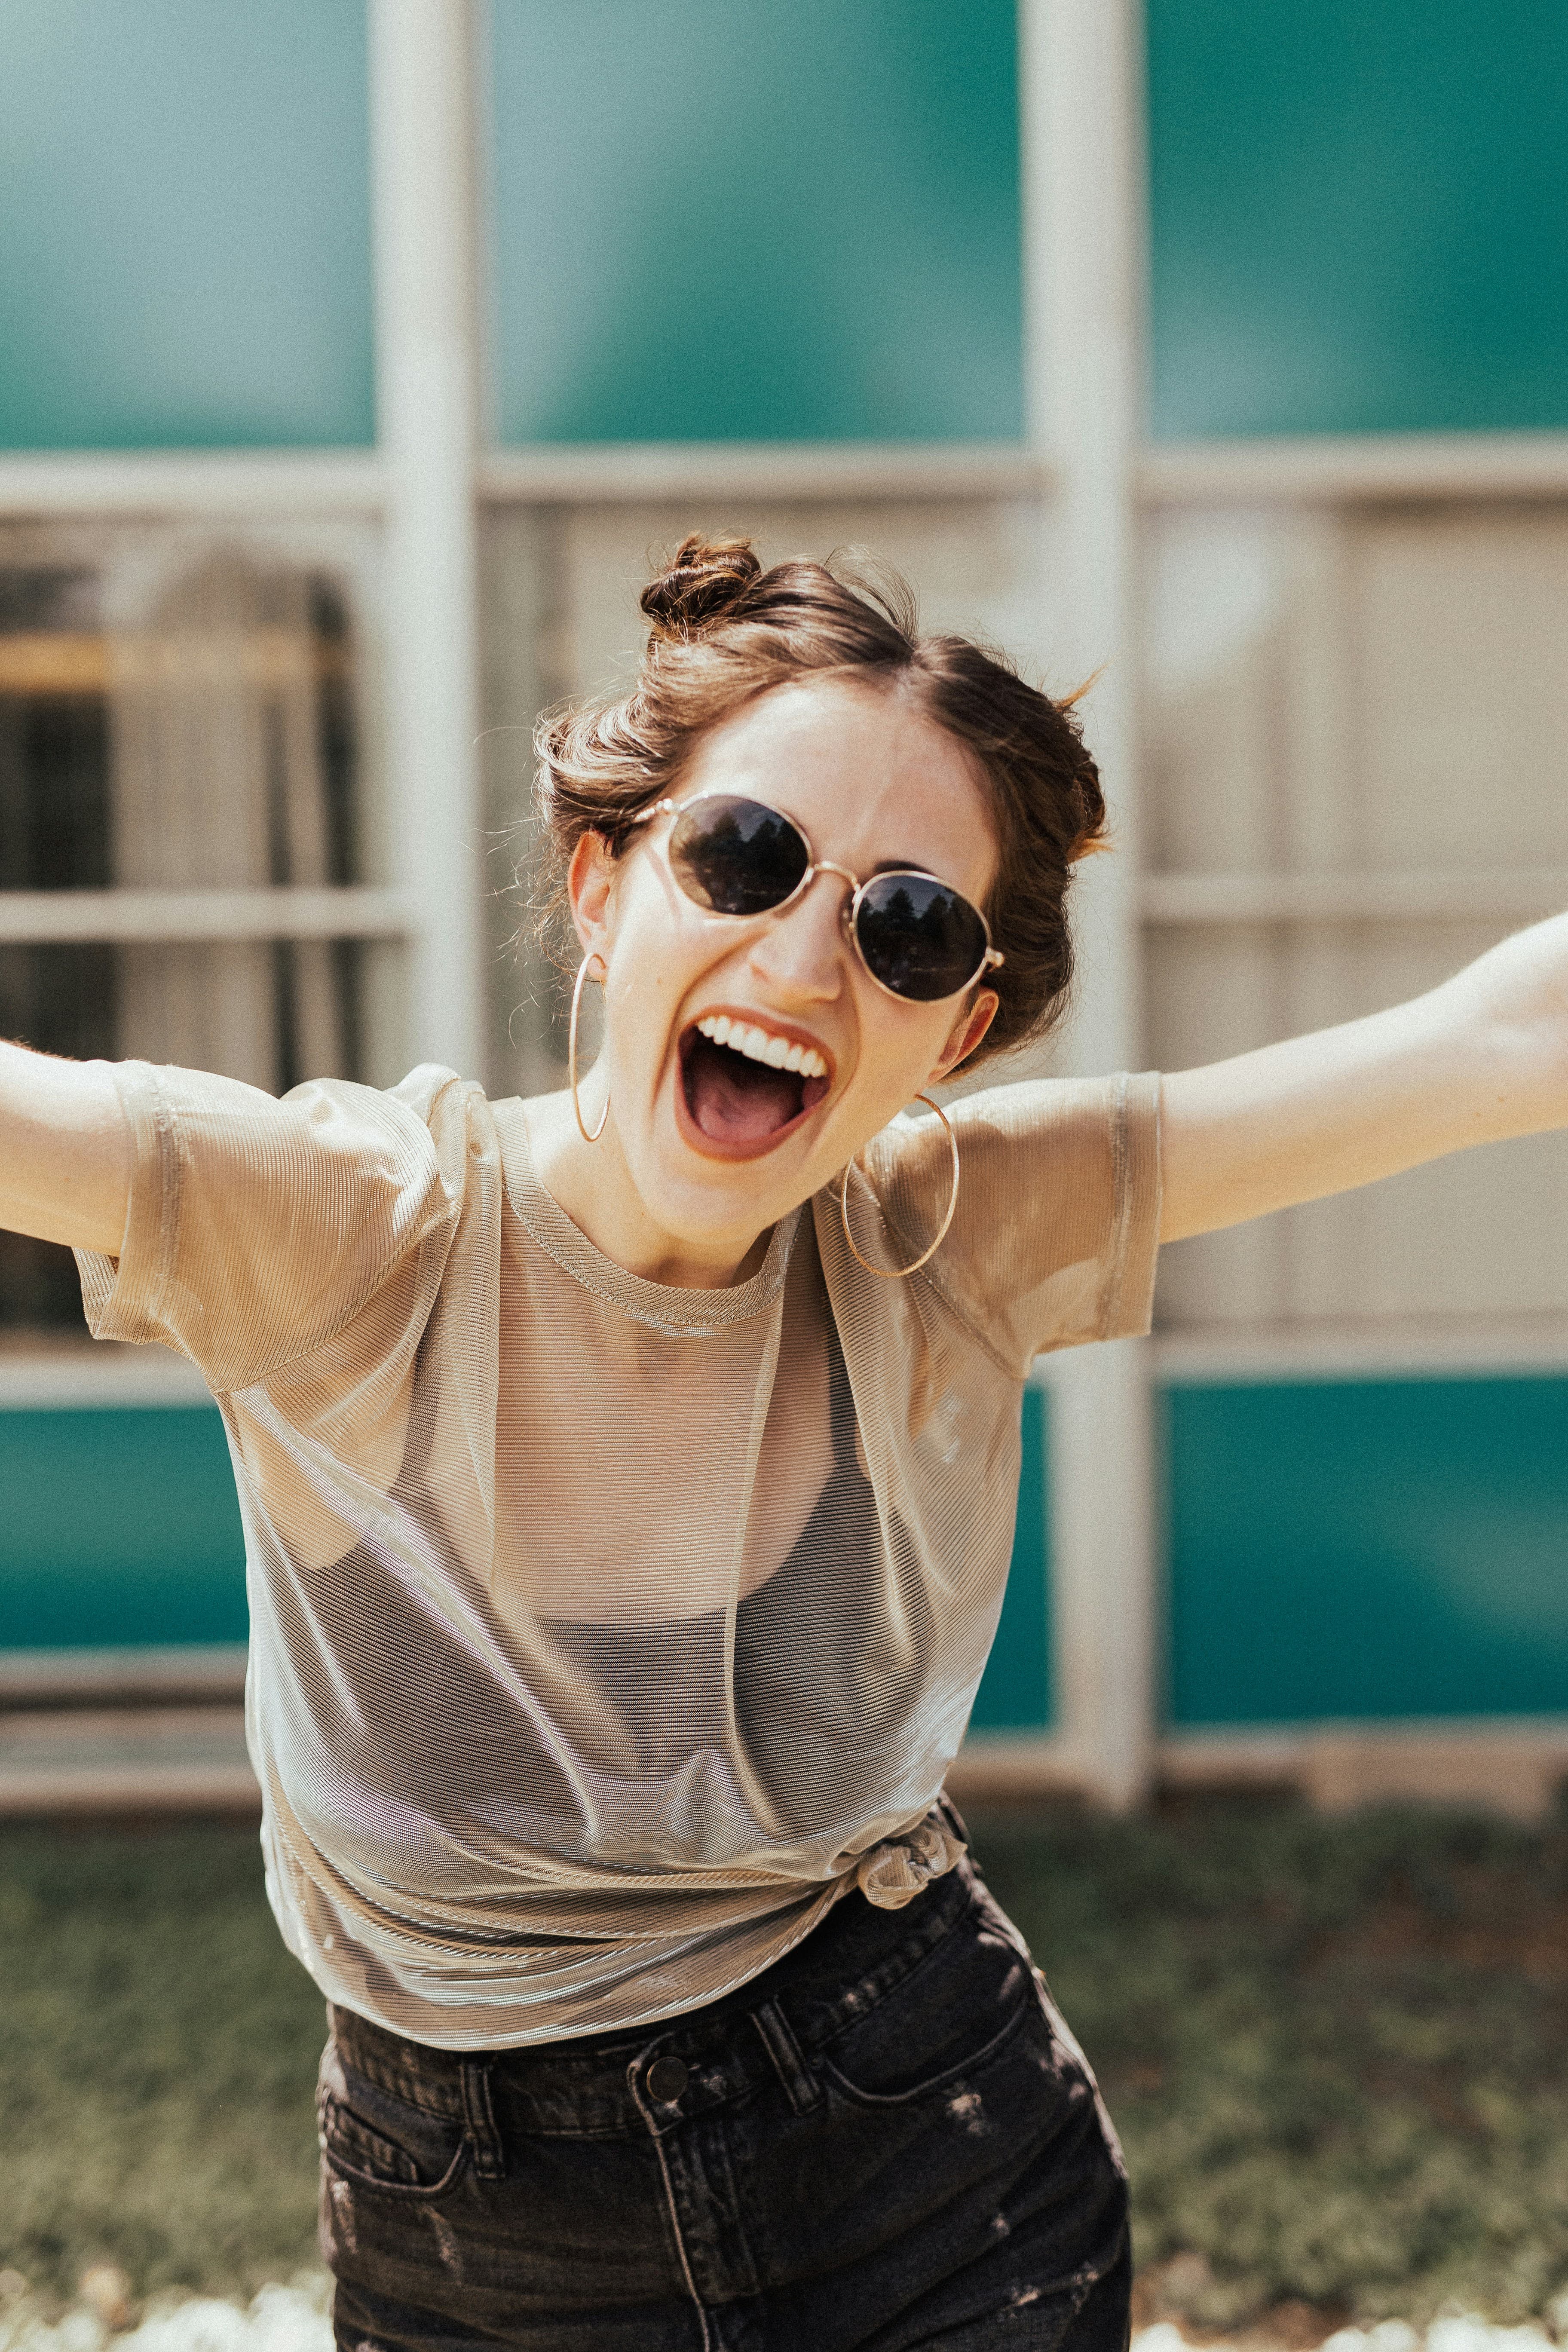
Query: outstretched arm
[[1483, 1058], [65, 1151]]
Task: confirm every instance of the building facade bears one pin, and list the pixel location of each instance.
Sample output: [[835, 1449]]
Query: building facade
[[353, 358]]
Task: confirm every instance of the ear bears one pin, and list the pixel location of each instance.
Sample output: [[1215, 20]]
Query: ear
[[966, 1033], [589, 878]]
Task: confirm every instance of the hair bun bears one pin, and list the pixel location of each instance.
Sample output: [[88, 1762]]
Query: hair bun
[[701, 584]]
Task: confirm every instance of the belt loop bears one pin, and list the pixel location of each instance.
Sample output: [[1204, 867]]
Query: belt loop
[[478, 2115], [801, 2085]]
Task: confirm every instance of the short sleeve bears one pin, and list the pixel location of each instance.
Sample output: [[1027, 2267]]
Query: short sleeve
[[259, 1229], [1056, 1233]]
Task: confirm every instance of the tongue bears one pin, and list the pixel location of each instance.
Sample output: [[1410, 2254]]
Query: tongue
[[735, 1100]]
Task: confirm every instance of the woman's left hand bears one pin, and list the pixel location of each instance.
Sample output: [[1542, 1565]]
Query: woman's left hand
[[1483, 1058]]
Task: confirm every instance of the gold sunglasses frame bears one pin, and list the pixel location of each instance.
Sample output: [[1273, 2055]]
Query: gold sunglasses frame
[[991, 958]]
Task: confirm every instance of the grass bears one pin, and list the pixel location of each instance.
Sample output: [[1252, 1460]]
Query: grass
[[1335, 2050], [158, 2051]]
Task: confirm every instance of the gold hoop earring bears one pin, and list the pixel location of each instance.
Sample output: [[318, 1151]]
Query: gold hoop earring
[[897, 1273], [593, 956]]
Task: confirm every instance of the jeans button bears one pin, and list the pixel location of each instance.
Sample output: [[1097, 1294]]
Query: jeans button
[[666, 2080]]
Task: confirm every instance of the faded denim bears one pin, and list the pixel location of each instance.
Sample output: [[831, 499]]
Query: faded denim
[[887, 2140]]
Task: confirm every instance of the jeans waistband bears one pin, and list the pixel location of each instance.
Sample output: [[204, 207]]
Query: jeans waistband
[[764, 2030]]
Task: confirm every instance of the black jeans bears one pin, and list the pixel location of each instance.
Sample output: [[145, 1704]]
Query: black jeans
[[887, 2140]]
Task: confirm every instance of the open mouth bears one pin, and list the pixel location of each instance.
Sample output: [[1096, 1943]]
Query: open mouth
[[738, 1085]]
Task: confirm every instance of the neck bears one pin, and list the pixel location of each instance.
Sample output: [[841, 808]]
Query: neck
[[592, 1183]]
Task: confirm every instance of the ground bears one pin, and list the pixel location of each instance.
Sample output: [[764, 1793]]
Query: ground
[[1335, 2051]]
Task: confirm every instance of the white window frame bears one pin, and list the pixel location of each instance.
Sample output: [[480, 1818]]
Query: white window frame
[[1085, 272]]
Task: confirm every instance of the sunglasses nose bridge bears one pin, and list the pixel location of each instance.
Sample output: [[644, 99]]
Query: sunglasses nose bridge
[[827, 866], [846, 905], [801, 890]]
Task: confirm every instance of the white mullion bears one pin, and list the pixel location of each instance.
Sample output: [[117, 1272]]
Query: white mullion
[[1505, 896], [427, 394], [1083, 310], [199, 484], [1384, 1347], [82, 917], [267, 485], [76, 1374], [270, 485], [1351, 469], [647, 472]]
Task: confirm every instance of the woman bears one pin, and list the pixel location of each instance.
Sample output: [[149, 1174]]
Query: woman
[[629, 1479]]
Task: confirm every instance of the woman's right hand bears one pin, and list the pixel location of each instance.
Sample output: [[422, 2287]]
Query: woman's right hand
[[65, 1151]]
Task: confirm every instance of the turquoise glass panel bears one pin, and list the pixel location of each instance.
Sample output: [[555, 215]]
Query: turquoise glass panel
[[1016, 1692], [185, 223], [1375, 1549], [120, 1527], [723, 222], [1358, 216]]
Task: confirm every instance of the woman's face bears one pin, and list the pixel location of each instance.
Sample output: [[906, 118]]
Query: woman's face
[[717, 1145]]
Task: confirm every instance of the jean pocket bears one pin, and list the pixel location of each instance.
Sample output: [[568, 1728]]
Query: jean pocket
[[956, 2012], [382, 2141]]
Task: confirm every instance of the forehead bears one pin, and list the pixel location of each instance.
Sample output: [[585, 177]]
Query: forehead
[[870, 779]]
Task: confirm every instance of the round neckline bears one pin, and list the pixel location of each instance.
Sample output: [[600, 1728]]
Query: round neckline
[[666, 1304]]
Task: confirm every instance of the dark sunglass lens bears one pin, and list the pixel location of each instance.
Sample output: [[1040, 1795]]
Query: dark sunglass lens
[[918, 937], [734, 856]]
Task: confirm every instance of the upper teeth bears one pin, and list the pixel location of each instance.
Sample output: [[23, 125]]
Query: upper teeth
[[761, 1046]]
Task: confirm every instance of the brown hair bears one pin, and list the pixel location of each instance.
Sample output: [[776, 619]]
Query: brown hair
[[724, 631]]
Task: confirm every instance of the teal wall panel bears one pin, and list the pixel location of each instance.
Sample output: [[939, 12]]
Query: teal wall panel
[[185, 223], [719, 222], [1368, 1549], [1015, 1693], [1358, 216], [119, 1528]]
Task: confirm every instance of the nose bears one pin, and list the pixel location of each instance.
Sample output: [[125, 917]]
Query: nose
[[800, 952]]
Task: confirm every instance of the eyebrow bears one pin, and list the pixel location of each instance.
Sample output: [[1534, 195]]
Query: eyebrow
[[901, 866]]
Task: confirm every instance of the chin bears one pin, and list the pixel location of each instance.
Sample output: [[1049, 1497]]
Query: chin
[[705, 1197], [715, 1204]]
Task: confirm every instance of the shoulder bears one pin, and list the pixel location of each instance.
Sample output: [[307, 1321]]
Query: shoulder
[[1055, 1226], [1091, 1128]]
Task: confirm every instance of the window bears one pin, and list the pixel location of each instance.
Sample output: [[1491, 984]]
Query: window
[[182, 817], [1354, 727]]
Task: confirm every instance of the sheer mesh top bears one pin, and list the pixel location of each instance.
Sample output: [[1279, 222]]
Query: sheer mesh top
[[601, 1630]]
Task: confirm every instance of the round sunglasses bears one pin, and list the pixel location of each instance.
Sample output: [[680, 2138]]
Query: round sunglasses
[[918, 937]]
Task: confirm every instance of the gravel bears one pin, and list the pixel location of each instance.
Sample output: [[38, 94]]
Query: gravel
[[294, 2319], [1460, 2333], [281, 2319]]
